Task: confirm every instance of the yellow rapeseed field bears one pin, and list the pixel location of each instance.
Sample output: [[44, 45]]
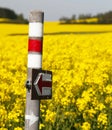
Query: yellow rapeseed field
[[80, 57]]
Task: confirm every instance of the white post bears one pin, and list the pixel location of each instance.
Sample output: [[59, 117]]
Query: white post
[[32, 112]]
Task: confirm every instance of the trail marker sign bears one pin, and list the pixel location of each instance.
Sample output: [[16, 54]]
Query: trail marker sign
[[41, 84]]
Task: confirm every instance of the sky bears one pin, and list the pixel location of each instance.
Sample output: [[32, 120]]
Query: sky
[[55, 9]]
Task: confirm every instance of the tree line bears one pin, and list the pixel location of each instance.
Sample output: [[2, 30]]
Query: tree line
[[101, 18], [12, 16]]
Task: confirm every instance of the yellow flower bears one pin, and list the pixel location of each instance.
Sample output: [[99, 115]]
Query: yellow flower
[[86, 126], [102, 119], [41, 126], [100, 106], [108, 89], [18, 128], [50, 116]]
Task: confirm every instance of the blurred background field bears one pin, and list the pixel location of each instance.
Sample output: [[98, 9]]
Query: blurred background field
[[80, 58], [52, 28]]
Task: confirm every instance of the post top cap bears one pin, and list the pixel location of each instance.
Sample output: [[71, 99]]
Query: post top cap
[[36, 16]]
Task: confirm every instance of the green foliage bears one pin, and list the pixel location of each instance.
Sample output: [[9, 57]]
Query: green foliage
[[84, 16], [7, 13], [103, 18], [12, 16]]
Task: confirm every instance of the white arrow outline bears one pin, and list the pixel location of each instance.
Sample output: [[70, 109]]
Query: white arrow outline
[[32, 118], [45, 77], [36, 84]]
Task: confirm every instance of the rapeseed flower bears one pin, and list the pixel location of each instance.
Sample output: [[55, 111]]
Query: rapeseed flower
[[82, 76]]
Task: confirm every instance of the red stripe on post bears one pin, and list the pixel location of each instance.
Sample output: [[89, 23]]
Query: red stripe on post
[[35, 45]]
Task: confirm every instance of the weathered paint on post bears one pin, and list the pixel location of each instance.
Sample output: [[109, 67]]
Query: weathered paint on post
[[35, 42]]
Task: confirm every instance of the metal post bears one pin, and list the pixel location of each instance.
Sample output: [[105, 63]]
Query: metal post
[[32, 112]]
